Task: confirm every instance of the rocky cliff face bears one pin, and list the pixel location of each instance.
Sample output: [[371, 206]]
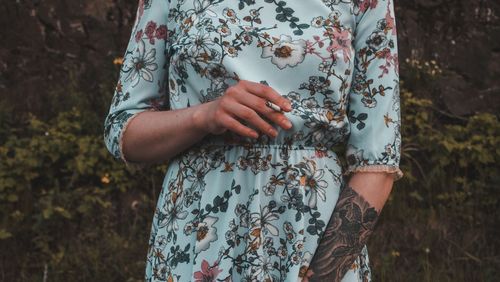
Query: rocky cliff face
[[464, 38], [45, 45]]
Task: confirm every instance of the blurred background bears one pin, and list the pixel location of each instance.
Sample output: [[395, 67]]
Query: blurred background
[[70, 212]]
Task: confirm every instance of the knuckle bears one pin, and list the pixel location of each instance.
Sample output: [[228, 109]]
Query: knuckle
[[224, 102], [231, 90]]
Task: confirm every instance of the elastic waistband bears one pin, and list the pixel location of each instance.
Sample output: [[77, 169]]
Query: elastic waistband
[[225, 141]]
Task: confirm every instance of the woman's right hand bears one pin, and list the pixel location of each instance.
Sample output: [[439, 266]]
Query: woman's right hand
[[245, 100]]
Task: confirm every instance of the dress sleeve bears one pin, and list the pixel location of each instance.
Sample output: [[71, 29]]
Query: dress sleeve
[[374, 143], [143, 78]]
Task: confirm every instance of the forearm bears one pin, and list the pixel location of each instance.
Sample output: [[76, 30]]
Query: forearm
[[374, 187], [350, 226], [154, 136]]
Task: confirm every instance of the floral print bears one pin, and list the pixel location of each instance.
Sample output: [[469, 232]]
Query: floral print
[[233, 208]]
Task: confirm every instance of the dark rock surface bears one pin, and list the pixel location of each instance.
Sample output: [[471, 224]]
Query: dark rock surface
[[464, 38], [46, 45]]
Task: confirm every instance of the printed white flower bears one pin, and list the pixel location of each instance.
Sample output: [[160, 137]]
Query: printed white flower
[[377, 40], [172, 213], [264, 268], [298, 246], [202, 7], [230, 50], [263, 220], [292, 179], [269, 189], [369, 102], [188, 228], [205, 234], [161, 242], [142, 65], [254, 12], [324, 124], [282, 252], [285, 52], [200, 43], [312, 180], [317, 21], [325, 66], [295, 258], [197, 176], [246, 38], [223, 30], [310, 103], [230, 15], [334, 15]]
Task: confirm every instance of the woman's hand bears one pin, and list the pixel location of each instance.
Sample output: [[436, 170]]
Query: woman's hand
[[351, 224], [244, 100]]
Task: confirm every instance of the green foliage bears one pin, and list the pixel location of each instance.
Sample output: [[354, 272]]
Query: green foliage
[[67, 205], [440, 222]]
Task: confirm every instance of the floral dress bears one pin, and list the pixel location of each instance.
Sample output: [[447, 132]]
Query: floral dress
[[234, 208]]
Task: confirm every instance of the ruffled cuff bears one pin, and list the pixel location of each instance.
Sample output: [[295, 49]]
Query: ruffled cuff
[[396, 172]]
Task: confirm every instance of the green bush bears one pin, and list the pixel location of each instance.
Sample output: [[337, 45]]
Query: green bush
[[69, 207], [441, 220]]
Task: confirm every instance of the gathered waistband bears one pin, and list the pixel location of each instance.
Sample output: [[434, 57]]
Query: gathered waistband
[[244, 142]]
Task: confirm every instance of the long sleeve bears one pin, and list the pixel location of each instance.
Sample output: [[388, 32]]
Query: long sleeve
[[143, 82], [374, 143]]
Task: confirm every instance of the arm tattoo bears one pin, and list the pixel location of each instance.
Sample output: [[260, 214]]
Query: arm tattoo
[[350, 225]]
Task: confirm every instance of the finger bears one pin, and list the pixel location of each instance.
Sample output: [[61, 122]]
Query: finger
[[234, 125], [259, 105], [267, 93], [248, 114]]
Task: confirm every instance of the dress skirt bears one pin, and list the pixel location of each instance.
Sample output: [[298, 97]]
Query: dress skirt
[[245, 213]]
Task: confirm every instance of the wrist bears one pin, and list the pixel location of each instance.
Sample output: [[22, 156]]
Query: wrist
[[199, 118]]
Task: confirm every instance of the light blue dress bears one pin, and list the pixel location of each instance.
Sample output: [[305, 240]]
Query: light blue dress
[[237, 209]]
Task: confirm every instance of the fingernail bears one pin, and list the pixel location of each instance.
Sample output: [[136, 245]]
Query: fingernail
[[288, 123], [273, 132]]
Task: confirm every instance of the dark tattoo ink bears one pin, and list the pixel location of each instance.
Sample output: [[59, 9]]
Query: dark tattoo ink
[[350, 225]]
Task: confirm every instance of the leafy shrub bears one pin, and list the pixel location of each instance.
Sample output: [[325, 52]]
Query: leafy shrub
[[68, 206]]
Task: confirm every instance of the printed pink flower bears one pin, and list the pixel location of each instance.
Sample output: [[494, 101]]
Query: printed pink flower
[[207, 272], [341, 42], [367, 4], [161, 32], [390, 22], [391, 60], [150, 31]]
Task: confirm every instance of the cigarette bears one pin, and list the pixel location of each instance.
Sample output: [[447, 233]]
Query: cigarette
[[273, 106]]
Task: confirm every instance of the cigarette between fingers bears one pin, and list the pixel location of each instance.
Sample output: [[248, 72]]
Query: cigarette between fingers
[[273, 106]]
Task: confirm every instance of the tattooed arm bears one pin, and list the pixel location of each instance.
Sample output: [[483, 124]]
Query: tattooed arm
[[350, 225]]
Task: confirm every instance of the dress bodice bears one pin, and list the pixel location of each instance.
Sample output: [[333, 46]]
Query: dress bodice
[[305, 56]]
